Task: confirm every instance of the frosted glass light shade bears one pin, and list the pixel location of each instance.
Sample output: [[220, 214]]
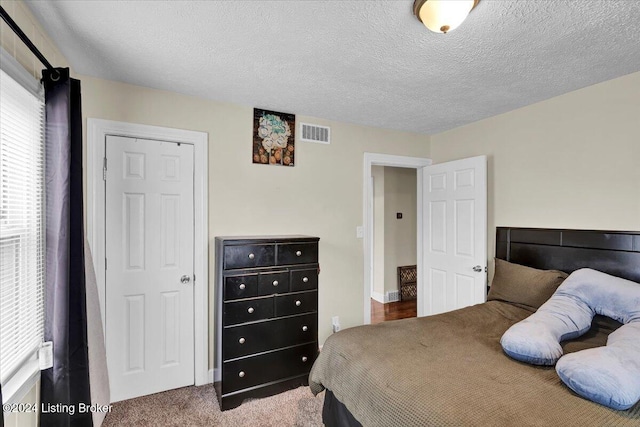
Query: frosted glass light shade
[[442, 16]]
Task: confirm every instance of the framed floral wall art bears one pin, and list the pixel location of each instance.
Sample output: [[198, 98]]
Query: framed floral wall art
[[273, 137]]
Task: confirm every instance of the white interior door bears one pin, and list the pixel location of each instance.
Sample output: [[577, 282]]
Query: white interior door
[[455, 234], [149, 250]]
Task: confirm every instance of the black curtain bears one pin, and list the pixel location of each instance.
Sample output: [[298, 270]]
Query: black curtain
[[67, 383]]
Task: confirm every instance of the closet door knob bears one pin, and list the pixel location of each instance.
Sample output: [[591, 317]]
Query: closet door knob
[[250, 310], [305, 329], [251, 256], [305, 279], [298, 253], [242, 286], [241, 374], [304, 358], [275, 283], [298, 303], [241, 340]]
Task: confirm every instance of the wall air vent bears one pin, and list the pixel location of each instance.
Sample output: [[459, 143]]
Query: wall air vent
[[315, 133], [392, 296]]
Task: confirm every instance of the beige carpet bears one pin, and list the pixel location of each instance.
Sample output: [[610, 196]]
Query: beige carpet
[[198, 406]]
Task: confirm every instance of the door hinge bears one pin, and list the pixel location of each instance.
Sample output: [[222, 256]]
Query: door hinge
[[104, 168], [105, 263]]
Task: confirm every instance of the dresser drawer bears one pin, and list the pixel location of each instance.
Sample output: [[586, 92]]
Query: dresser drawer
[[248, 256], [277, 365], [276, 282], [258, 337], [247, 311], [304, 280], [237, 287], [297, 253], [303, 302]]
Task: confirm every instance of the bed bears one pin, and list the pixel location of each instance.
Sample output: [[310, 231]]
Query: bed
[[450, 370]]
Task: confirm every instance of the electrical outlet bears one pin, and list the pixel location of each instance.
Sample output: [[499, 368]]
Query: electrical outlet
[[335, 323]]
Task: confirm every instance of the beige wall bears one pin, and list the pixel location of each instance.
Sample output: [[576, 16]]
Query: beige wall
[[320, 196], [25, 418], [400, 235], [572, 161], [394, 240], [21, 14], [377, 172]]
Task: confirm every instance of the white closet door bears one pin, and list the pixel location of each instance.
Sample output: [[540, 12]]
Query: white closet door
[[149, 256]]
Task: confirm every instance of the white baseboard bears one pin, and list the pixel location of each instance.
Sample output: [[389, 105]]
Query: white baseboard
[[378, 297], [387, 297], [214, 375]]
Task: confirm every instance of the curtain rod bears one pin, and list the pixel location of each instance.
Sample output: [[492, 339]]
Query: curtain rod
[[11, 23]]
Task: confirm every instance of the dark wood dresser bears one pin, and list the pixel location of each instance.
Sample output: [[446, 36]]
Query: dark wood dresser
[[266, 315]]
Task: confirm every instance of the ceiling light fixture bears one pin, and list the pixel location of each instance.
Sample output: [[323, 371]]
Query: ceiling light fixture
[[442, 16]]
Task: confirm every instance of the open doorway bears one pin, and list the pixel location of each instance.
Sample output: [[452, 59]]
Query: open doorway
[[417, 164], [394, 289], [451, 244]]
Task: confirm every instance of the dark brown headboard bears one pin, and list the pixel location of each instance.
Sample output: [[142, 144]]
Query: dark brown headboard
[[612, 252]]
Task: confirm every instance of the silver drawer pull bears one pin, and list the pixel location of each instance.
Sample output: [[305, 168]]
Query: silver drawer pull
[[305, 329], [242, 286], [298, 303], [241, 340], [250, 310], [298, 253], [275, 283], [304, 358], [241, 374], [305, 279], [251, 256]]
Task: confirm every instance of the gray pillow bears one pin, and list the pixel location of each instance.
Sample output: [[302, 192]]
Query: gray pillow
[[523, 286]]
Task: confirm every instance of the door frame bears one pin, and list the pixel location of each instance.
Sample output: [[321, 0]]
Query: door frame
[[378, 159], [97, 132]]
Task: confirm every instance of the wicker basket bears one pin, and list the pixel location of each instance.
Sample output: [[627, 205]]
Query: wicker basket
[[407, 282]]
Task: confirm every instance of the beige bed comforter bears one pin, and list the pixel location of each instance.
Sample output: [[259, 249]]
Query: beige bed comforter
[[449, 370]]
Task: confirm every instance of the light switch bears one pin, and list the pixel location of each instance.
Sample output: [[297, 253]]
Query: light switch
[[359, 232]]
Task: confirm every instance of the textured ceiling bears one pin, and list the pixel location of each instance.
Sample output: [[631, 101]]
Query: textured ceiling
[[365, 62]]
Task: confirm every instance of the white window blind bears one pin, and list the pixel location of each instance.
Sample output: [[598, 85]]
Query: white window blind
[[22, 224]]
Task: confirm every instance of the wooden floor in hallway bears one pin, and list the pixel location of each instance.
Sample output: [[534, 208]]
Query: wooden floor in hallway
[[392, 310]]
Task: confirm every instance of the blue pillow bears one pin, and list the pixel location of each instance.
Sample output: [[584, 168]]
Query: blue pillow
[[607, 375]]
